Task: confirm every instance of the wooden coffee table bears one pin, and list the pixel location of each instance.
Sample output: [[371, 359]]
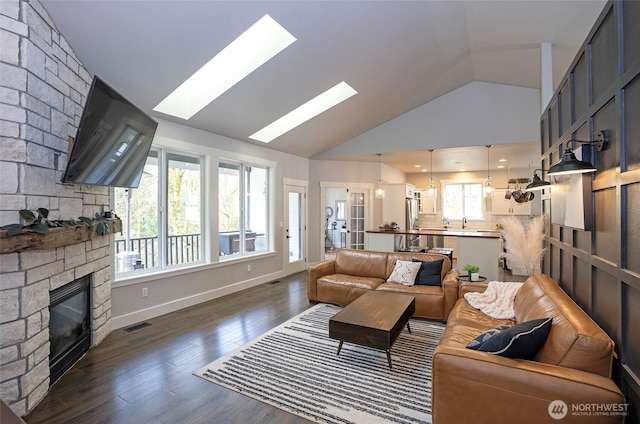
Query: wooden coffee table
[[375, 319]]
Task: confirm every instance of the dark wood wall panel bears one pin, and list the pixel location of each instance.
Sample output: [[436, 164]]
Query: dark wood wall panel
[[632, 122], [605, 228], [630, 350], [564, 99], [566, 271], [604, 56], [580, 88], [601, 269], [582, 284], [544, 134], [606, 310], [605, 119], [555, 263], [553, 122], [631, 17], [631, 243], [583, 240]]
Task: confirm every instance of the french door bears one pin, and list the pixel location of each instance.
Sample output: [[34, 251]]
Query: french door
[[295, 227]]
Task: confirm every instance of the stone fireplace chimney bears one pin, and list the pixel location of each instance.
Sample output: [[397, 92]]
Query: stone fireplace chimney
[[43, 88]]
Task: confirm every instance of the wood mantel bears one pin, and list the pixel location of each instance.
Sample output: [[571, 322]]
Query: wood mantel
[[57, 237]]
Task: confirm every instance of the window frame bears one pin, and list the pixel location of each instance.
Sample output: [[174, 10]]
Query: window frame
[[269, 227], [464, 181], [163, 156]]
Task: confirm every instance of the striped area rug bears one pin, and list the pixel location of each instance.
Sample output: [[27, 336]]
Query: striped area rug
[[294, 367]]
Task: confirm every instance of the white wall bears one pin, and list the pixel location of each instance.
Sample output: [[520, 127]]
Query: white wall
[[475, 114]]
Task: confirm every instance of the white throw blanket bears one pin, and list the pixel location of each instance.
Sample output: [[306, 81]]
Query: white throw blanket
[[497, 300]]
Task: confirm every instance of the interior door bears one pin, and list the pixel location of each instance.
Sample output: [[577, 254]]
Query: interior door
[[295, 228], [356, 218]]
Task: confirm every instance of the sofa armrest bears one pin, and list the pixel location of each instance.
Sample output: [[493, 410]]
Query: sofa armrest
[[471, 288], [513, 390], [450, 285], [317, 271]]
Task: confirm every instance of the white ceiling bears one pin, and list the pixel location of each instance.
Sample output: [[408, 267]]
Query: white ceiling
[[397, 54]]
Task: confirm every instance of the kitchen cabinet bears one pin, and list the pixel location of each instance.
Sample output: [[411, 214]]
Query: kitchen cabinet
[[502, 206], [426, 205], [451, 243]]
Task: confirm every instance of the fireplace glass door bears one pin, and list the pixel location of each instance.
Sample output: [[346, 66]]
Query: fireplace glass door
[[69, 326]]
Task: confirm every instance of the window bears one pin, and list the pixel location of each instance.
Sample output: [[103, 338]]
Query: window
[[463, 200], [152, 240], [242, 208]]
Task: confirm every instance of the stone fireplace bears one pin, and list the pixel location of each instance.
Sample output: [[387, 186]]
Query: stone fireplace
[[43, 91]]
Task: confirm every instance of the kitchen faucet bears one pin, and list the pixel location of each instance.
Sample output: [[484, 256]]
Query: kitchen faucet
[[464, 221]]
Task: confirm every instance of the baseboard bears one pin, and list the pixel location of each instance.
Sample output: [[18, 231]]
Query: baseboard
[[177, 304]]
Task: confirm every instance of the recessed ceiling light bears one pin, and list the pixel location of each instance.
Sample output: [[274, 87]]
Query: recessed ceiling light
[[424, 170], [336, 94], [500, 166], [254, 47], [502, 160], [417, 166]]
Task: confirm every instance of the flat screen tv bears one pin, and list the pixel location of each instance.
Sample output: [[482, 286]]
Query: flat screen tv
[[112, 142]]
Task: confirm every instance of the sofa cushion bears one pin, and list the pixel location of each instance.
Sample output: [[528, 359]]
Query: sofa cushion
[[575, 340], [430, 273], [362, 263], [522, 340], [404, 273]]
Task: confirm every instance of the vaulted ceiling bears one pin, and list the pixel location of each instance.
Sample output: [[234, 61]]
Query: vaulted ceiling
[[398, 55]]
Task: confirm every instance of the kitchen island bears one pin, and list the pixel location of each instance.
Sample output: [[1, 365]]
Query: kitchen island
[[477, 247]]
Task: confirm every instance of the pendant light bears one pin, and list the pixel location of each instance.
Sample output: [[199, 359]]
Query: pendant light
[[379, 190], [432, 191], [489, 191]]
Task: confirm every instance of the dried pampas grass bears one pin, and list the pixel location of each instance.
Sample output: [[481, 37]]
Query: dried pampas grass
[[524, 242]]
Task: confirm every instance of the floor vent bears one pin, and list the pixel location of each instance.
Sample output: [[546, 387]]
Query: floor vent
[[273, 282], [136, 327]]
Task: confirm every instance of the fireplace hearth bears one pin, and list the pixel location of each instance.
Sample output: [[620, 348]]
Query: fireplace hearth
[[69, 325]]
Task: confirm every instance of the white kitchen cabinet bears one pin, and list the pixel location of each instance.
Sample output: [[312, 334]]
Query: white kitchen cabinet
[[426, 205], [451, 243], [502, 206]]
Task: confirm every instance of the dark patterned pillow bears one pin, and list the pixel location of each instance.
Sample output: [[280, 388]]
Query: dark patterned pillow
[[522, 340], [485, 335], [430, 273]]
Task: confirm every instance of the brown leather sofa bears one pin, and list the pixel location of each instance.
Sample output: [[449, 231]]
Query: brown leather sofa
[[354, 272], [573, 366]]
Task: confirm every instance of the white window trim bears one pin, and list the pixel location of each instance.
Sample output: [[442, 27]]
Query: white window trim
[[481, 181]]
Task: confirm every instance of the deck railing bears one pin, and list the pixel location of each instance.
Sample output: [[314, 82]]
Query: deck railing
[[182, 248]]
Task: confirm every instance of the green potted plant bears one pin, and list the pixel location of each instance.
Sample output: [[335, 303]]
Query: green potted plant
[[473, 271]]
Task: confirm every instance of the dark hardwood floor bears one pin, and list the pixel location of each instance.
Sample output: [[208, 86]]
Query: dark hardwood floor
[[145, 376]]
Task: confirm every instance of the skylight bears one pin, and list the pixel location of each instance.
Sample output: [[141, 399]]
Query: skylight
[[262, 41], [303, 113]]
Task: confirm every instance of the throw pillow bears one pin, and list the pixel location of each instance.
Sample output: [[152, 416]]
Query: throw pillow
[[430, 273], [522, 340], [486, 335], [404, 272]]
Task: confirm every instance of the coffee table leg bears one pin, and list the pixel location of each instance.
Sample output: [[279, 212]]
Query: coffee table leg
[[389, 357], [408, 328], [339, 347]]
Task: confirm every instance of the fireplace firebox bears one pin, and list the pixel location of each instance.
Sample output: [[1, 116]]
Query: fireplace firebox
[[69, 325]]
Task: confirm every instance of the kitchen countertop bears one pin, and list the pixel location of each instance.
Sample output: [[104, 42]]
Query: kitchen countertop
[[451, 232]]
